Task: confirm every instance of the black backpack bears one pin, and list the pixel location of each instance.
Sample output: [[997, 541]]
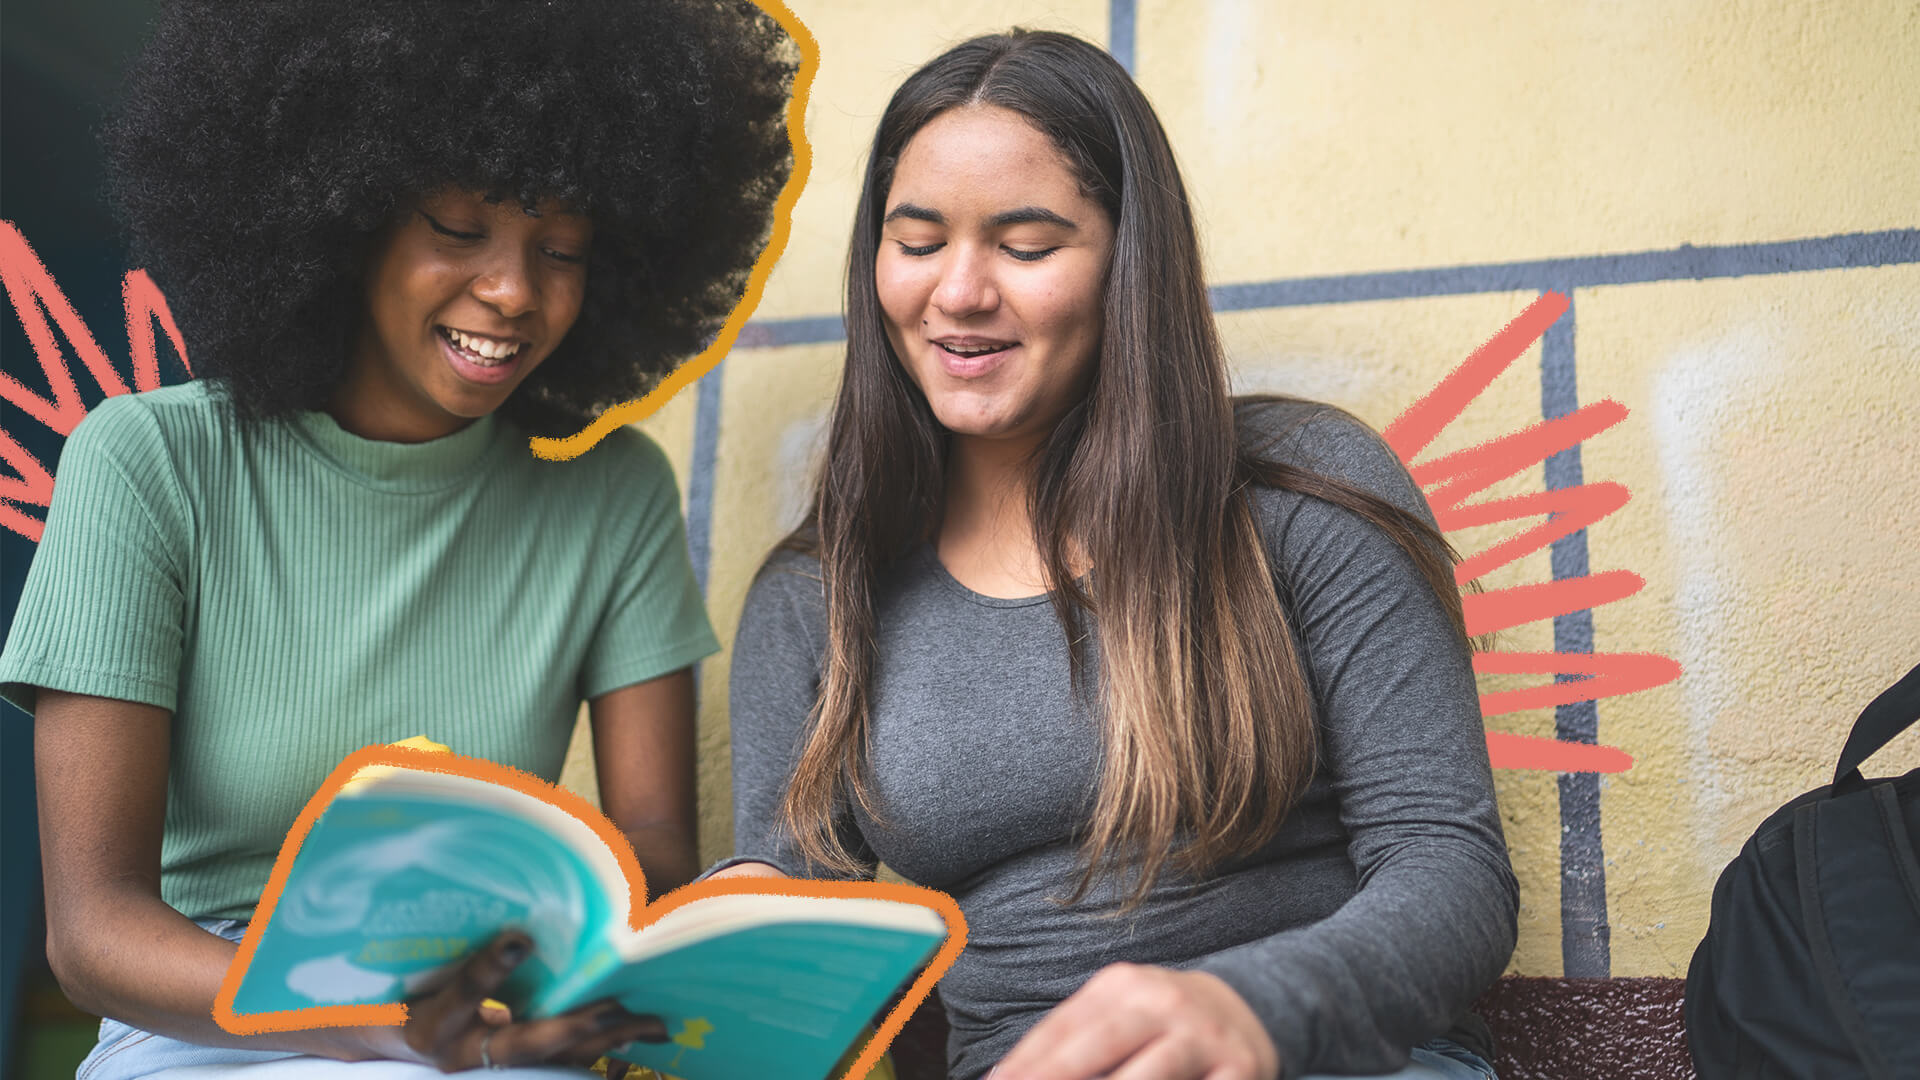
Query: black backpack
[[1811, 964]]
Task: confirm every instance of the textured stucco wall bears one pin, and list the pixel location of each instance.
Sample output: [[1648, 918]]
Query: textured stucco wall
[[1773, 445]]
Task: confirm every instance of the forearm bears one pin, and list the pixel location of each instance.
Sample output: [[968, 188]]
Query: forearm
[[667, 855], [643, 739], [1403, 748], [1392, 968], [119, 950], [133, 958]]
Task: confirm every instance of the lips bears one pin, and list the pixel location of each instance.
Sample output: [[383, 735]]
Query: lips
[[479, 348], [478, 358], [970, 357]]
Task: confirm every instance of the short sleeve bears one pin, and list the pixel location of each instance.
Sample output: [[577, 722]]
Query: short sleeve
[[655, 621], [103, 609]]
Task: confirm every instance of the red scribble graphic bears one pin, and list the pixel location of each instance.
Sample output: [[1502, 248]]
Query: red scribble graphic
[[1503, 609], [641, 910], [41, 306], [1453, 479]]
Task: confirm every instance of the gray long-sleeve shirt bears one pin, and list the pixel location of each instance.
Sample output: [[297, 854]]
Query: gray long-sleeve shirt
[[1367, 926]]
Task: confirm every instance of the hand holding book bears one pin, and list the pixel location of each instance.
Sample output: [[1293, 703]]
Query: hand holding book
[[448, 1029], [439, 881]]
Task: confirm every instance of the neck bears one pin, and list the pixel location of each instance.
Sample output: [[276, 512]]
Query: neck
[[986, 536], [989, 478], [362, 406]]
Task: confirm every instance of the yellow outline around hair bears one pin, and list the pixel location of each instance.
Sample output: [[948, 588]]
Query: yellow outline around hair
[[620, 415]]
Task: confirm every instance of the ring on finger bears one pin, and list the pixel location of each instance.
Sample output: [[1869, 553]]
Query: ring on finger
[[486, 1058]]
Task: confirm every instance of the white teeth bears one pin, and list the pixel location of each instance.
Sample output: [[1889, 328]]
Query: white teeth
[[977, 350], [482, 347]]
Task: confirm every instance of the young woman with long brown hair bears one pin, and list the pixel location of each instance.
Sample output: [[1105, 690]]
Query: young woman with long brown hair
[[1171, 692]]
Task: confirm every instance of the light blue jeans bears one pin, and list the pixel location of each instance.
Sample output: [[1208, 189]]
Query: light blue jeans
[[128, 1053], [1441, 1059], [1437, 1060]]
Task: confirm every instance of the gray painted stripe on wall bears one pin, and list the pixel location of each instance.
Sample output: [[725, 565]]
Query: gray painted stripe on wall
[[1584, 936], [706, 451], [1685, 263], [1121, 15], [774, 333]]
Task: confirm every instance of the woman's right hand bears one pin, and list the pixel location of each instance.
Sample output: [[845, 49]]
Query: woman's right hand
[[446, 1028]]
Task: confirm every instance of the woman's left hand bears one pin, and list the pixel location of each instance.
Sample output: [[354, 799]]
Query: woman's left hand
[[1132, 1022]]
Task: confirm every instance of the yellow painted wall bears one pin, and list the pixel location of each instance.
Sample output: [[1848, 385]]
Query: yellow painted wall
[[1773, 446]]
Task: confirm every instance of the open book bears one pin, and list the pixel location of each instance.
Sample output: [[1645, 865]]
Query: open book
[[421, 858]]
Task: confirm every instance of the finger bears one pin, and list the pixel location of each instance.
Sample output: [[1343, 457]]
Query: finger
[[640, 1030], [1167, 1059], [588, 1031], [645, 1029], [649, 1028], [1095, 1029], [438, 1020]]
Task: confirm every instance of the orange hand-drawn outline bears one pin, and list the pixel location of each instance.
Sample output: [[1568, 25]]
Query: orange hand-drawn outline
[[639, 912], [617, 416]]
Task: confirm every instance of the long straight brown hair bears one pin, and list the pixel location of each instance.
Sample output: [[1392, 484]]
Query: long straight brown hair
[[1208, 726]]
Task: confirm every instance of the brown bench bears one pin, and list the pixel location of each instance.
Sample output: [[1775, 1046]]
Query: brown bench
[[1547, 1029]]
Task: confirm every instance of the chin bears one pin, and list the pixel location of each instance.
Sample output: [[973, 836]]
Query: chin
[[472, 406], [973, 422]]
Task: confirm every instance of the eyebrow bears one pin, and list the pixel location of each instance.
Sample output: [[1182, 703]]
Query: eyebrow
[[1025, 215], [532, 210]]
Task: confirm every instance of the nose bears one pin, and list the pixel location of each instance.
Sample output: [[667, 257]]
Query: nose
[[507, 283], [966, 285]]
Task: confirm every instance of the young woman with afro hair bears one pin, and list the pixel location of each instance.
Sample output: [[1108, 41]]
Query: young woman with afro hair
[[399, 239]]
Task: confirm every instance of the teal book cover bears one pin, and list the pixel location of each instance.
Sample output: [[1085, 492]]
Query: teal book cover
[[389, 888], [766, 1000], [405, 872]]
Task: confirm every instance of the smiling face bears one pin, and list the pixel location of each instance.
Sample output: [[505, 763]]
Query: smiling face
[[465, 297], [990, 271]]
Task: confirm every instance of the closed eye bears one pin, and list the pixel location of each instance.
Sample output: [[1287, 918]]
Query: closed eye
[[909, 249], [451, 234], [1029, 256], [565, 257]]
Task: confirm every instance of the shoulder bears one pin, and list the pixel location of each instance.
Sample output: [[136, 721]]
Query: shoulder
[[628, 449], [1328, 442], [146, 436], [1318, 499], [626, 454], [787, 602], [148, 419], [626, 471], [791, 580]]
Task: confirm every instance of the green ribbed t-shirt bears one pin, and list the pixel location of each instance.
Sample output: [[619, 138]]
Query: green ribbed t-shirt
[[292, 593]]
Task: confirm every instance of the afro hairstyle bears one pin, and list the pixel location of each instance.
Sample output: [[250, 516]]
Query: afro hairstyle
[[261, 147]]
